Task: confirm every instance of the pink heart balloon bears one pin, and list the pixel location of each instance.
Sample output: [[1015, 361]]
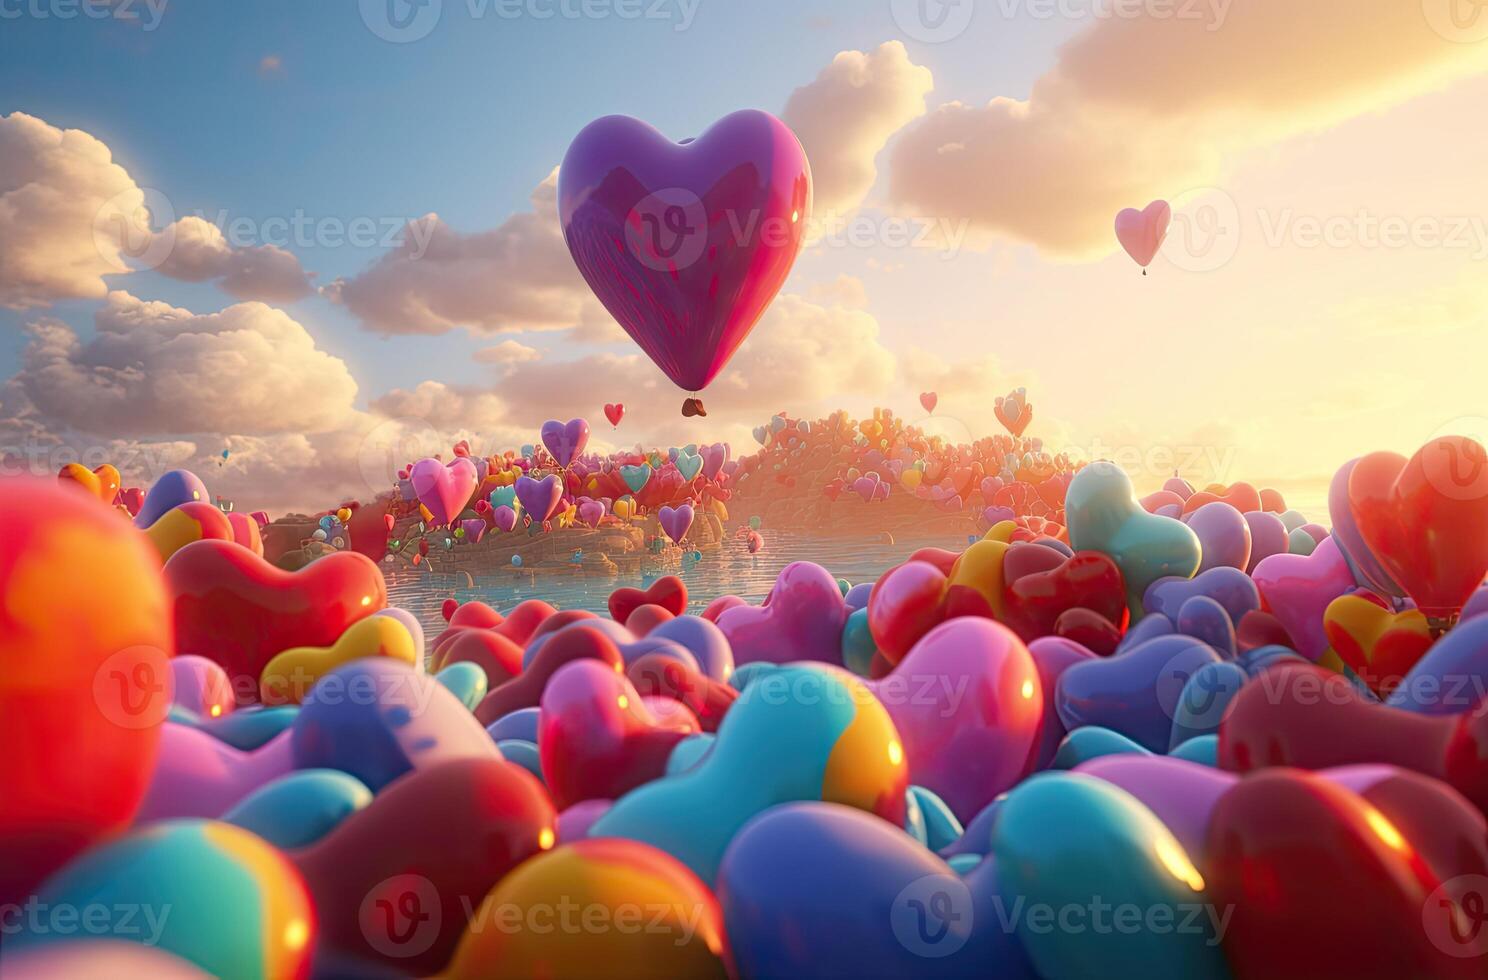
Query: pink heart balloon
[[591, 511], [1142, 232], [969, 707], [444, 489], [1298, 588], [686, 244], [801, 619]]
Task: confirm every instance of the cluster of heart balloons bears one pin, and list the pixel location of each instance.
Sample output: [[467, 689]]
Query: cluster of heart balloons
[[992, 479], [1195, 712], [554, 484]]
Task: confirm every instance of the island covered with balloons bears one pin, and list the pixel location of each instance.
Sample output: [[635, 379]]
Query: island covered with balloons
[[1103, 729]]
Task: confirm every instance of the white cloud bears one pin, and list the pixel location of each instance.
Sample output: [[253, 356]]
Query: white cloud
[[153, 369], [69, 216], [518, 276], [1138, 108], [199, 252], [847, 115]]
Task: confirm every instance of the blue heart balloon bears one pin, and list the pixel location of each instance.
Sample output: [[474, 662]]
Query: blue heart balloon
[[1135, 692], [864, 898]]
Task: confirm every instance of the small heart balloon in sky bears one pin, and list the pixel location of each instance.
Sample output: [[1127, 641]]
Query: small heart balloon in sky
[[929, 400], [1142, 232], [614, 411]]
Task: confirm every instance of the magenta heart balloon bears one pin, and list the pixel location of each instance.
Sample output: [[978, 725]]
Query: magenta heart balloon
[[686, 244], [474, 531], [969, 706], [801, 619], [540, 497], [564, 441], [444, 490], [505, 517], [675, 521], [1298, 588], [590, 512]]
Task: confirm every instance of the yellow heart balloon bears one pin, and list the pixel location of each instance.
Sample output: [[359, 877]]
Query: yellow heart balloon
[[1379, 645]]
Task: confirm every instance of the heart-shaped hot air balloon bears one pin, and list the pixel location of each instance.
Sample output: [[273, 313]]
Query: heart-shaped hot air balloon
[[686, 243], [1142, 232]]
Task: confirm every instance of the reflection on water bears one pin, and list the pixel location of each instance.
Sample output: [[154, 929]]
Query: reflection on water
[[732, 571]]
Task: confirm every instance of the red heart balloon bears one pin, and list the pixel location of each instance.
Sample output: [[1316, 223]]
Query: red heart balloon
[[659, 674], [598, 740], [1309, 717], [526, 688], [905, 604], [392, 881], [669, 592], [1426, 519], [1032, 604], [614, 412], [238, 610], [500, 658], [1090, 629], [1292, 854]]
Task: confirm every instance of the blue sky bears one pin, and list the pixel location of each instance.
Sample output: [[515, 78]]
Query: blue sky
[[463, 122], [1277, 356]]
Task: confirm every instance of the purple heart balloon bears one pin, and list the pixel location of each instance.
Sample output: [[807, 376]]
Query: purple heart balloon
[[505, 517], [564, 441], [540, 497], [714, 457], [686, 244], [675, 521], [474, 531]]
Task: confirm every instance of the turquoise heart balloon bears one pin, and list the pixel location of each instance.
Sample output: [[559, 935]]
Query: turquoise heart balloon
[[636, 477], [299, 809], [212, 893], [1102, 514], [689, 464], [1093, 742], [504, 497], [1086, 856], [466, 680]]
